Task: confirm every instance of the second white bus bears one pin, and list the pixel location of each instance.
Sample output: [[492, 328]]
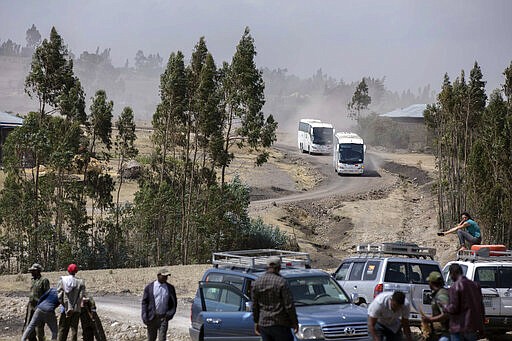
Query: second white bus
[[315, 136], [348, 153]]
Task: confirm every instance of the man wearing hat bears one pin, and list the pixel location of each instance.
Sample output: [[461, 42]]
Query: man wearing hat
[[273, 309], [439, 319], [159, 305], [39, 286], [71, 291]]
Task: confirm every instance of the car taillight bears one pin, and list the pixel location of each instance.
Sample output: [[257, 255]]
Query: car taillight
[[378, 289]]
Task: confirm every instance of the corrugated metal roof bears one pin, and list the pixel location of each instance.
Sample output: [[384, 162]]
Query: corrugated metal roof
[[413, 111], [10, 120]]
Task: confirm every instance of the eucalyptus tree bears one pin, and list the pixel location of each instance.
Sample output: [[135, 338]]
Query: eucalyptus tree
[[244, 122], [170, 123], [48, 141], [437, 118], [126, 149], [360, 100]]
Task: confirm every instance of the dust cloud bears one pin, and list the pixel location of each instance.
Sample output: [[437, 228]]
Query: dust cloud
[[315, 108]]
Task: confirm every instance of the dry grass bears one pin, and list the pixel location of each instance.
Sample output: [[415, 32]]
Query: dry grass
[[111, 281]]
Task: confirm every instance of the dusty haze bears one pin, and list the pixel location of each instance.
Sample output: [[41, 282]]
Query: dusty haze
[[411, 43]]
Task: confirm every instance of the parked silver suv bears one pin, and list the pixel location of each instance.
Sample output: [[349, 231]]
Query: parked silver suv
[[494, 274], [388, 267]]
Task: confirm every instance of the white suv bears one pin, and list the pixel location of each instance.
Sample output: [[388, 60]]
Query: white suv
[[388, 267], [494, 274]]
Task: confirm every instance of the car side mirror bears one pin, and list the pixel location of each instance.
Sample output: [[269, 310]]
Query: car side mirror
[[248, 306], [358, 301]]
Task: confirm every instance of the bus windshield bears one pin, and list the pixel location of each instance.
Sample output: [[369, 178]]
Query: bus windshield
[[351, 153], [322, 135]]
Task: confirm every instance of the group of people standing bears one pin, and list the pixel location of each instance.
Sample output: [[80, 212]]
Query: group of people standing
[[75, 306], [159, 305]]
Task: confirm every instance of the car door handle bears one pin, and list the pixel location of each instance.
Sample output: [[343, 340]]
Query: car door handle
[[213, 321], [355, 286]]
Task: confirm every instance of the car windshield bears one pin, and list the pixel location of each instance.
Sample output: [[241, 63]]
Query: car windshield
[[317, 291], [351, 153]]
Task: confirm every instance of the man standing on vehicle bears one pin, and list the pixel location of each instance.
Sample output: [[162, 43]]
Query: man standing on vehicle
[[273, 309], [159, 305], [440, 298], [466, 307], [39, 286], [388, 314]]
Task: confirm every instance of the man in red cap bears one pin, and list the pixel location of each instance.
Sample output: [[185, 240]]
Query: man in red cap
[[71, 291]]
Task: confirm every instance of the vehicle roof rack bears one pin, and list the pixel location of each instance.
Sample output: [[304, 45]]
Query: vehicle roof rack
[[400, 249], [484, 255], [257, 259]]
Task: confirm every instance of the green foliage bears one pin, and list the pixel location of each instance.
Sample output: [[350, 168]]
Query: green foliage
[[360, 101], [100, 120], [181, 213], [257, 235], [50, 71], [473, 153]]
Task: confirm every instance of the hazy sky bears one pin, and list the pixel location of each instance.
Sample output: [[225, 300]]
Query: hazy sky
[[411, 43]]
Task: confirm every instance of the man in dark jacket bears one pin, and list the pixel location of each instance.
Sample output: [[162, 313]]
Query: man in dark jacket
[[465, 307], [39, 286], [159, 305], [273, 309]]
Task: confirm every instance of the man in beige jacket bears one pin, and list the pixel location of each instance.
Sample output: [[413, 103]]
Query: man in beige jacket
[[71, 291]]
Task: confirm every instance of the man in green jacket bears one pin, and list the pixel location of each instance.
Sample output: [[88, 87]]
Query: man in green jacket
[[39, 286]]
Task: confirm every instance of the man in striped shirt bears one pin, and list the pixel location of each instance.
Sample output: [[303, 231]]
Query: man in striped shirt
[[273, 309]]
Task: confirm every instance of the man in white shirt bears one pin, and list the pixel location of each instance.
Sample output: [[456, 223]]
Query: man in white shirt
[[388, 314], [158, 306]]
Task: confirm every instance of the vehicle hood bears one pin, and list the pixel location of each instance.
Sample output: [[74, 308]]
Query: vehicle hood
[[331, 314]]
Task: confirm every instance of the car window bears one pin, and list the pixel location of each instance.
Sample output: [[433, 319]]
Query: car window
[[222, 299], [317, 290], [396, 272], [370, 270], [446, 273], [486, 276], [505, 277], [418, 272], [356, 271], [248, 288], [341, 274], [234, 280]]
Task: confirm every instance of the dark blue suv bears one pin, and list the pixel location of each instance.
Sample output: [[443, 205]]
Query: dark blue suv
[[221, 309]]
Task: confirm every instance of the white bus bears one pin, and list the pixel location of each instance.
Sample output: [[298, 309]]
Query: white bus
[[315, 136], [348, 153]]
